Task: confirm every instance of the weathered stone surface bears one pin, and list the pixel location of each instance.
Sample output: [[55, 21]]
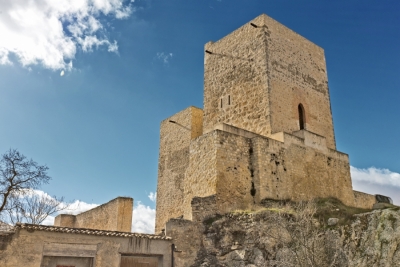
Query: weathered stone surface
[[371, 239], [255, 79], [333, 221], [176, 133], [35, 245], [115, 215], [266, 131]]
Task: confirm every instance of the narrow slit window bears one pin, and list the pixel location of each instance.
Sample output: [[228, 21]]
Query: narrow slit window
[[221, 102], [301, 117], [229, 100]]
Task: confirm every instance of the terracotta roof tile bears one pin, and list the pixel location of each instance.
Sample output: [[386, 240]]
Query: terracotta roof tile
[[85, 231]]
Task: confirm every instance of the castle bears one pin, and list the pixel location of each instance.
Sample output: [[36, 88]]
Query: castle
[[266, 130]]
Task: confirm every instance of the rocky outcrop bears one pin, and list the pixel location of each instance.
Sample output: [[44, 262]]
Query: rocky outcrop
[[373, 239], [266, 238]]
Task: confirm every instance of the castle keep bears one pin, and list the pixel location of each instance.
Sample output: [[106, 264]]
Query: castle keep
[[266, 130]]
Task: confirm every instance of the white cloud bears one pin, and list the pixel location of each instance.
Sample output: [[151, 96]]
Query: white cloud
[[49, 32], [143, 219], [164, 57], [377, 181], [376, 176], [153, 196], [143, 216], [75, 207]]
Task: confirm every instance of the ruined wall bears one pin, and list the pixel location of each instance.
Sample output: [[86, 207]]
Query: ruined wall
[[116, 215], [33, 248], [173, 161]]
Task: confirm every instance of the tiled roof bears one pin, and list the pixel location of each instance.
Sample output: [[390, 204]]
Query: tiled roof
[[85, 231]]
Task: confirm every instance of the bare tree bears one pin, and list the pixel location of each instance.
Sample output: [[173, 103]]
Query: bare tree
[[302, 241], [34, 207], [18, 201]]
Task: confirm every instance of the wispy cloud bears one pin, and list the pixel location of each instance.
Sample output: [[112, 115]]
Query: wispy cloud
[[49, 32], [153, 196], [377, 181], [376, 176], [164, 57]]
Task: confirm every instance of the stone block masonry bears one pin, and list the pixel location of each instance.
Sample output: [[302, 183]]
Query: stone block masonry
[[256, 77], [115, 215], [176, 134], [266, 131]]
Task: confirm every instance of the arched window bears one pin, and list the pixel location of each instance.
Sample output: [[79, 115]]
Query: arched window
[[302, 117]]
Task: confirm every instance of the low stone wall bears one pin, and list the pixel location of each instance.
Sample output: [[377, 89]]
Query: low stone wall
[[363, 200]]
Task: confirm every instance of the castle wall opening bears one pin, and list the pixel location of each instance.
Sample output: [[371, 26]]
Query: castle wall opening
[[301, 116]]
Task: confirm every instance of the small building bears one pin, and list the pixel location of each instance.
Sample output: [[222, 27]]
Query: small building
[[85, 243]]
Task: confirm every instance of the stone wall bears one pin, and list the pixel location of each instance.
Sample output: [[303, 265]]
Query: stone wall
[[235, 81], [116, 215], [364, 200], [176, 133], [297, 75], [201, 175], [234, 169], [252, 145], [292, 170], [256, 77], [243, 169], [28, 247], [218, 164], [187, 240], [204, 207]]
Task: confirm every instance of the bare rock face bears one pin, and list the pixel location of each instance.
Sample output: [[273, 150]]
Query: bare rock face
[[373, 239], [259, 239]]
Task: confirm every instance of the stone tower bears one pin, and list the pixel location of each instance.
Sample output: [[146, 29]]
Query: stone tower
[[266, 131], [258, 78]]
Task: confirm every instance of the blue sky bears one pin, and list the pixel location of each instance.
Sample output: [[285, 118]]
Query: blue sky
[[84, 85]]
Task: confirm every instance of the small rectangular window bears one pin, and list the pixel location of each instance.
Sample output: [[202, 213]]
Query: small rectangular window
[[221, 102], [229, 100]]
